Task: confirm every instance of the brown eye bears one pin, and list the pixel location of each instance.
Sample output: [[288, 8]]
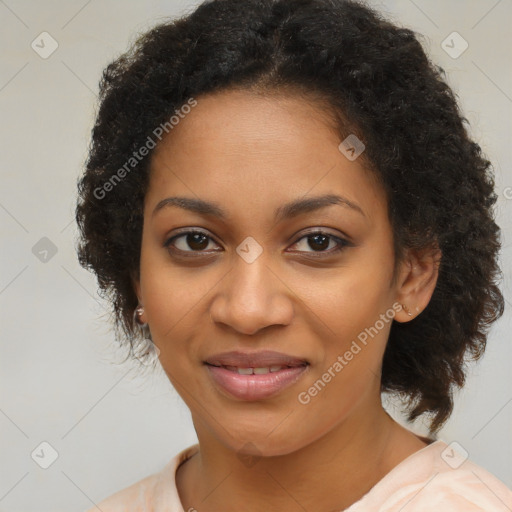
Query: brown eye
[[189, 241], [319, 242], [322, 242]]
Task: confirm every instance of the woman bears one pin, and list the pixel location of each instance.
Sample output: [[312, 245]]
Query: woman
[[284, 199]]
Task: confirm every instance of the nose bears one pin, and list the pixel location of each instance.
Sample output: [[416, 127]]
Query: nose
[[251, 297]]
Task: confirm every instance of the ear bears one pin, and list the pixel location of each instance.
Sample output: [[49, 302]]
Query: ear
[[417, 280], [135, 280]]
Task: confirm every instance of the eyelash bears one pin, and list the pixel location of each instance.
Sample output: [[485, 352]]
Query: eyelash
[[342, 243]]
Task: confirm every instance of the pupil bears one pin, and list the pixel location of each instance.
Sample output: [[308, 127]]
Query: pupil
[[320, 245], [195, 238]]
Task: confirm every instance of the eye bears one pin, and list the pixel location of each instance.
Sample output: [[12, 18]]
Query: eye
[[322, 242], [197, 241]]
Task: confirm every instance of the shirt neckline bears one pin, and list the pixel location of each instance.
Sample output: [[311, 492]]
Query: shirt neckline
[[189, 452]]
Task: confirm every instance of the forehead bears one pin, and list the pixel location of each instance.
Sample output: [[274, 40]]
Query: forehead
[[237, 146], [263, 121]]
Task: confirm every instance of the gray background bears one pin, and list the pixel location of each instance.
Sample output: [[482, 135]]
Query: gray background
[[109, 424]]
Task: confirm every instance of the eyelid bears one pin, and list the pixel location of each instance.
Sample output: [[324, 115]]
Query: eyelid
[[342, 241], [339, 235], [187, 231]]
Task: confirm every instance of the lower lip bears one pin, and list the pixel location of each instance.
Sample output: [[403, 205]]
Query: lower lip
[[255, 387]]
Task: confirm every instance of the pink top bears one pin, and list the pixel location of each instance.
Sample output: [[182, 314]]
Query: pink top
[[437, 478]]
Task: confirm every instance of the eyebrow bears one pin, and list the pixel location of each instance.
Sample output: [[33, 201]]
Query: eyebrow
[[286, 211]]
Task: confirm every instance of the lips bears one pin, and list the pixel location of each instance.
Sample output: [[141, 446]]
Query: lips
[[254, 376], [263, 359]]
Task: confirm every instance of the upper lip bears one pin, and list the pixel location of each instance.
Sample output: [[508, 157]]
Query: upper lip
[[262, 359]]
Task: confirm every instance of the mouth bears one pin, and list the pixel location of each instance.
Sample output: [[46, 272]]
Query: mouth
[[261, 360], [254, 376], [256, 371]]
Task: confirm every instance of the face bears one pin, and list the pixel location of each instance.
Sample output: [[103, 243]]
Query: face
[[310, 281]]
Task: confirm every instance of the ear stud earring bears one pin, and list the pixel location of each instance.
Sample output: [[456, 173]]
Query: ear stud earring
[[407, 309], [148, 350], [139, 310]]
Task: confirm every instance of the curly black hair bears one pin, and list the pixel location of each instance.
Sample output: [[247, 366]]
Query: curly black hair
[[380, 85]]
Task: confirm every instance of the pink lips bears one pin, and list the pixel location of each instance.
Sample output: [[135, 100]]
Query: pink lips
[[223, 368], [260, 359]]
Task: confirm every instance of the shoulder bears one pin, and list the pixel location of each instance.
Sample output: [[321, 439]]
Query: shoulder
[[154, 493], [136, 497], [469, 489], [440, 478]]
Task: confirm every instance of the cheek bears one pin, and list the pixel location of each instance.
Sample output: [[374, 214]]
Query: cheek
[[348, 308], [353, 347], [173, 297], [169, 291], [347, 300]]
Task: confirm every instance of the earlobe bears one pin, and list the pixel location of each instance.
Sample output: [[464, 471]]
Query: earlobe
[[417, 282]]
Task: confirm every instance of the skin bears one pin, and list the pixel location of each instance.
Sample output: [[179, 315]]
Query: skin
[[251, 154]]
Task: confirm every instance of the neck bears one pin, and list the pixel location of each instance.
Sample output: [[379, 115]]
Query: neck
[[331, 473]]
